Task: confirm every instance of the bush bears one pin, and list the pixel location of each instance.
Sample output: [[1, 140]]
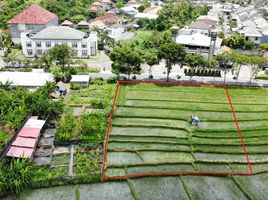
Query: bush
[[75, 86], [93, 127], [65, 128], [15, 175]]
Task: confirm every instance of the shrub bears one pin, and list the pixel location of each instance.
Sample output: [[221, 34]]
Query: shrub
[[75, 86], [65, 128], [93, 127], [15, 175]]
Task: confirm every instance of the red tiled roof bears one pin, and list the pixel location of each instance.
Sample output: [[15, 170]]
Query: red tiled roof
[[33, 15], [108, 18]]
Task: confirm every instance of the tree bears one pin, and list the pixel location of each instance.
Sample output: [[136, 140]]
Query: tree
[[172, 53], [45, 59], [194, 61], [264, 46], [125, 59], [61, 54], [239, 59], [5, 43], [255, 62], [237, 41], [151, 59], [223, 59]]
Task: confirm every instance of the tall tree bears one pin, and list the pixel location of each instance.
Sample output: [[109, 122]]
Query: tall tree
[[255, 63], [61, 54], [125, 60], [224, 60], [172, 53], [151, 59]]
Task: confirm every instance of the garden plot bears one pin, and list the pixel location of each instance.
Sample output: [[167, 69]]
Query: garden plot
[[151, 131]]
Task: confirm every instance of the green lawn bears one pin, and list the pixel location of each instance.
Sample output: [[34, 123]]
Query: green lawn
[[151, 129]]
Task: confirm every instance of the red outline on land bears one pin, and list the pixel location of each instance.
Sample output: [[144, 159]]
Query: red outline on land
[[104, 165]]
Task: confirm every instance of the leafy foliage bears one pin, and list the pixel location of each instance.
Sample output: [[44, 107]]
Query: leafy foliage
[[17, 103], [15, 175], [237, 41], [93, 127], [65, 128], [173, 15]]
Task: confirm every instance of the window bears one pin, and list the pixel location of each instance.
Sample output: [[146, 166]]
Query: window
[[28, 44], [29, 52], [48, 44], [84, 53], [38, 44], [256, 38], [93, 49], [84, 45], [65, 43], [39, 51], [56, 44], [74, 44]]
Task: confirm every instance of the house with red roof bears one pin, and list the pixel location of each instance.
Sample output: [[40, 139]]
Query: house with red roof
[[34, 18]]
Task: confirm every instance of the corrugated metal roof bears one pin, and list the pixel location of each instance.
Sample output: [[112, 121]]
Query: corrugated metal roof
[[25, 143]]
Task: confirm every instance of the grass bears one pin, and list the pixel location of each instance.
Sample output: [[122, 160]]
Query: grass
[[151, 129]]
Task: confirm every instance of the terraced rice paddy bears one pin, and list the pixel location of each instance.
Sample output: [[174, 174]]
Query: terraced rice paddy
[[151, 130]]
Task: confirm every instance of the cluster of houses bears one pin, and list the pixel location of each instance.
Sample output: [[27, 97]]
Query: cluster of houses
[[251, 24]]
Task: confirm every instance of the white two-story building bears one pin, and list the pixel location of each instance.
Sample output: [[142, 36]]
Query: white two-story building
[[35, 44]]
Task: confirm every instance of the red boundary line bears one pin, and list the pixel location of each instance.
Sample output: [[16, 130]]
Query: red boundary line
[[104, 165], [238, 129]]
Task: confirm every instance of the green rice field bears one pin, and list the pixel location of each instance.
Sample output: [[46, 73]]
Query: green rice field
[[151, 130]]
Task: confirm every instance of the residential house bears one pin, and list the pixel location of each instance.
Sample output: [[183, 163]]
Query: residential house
[[107, 4], [203, 26], [34, 18], [146, 15], [106, 20], [96, 6], [34, 44], [118, 32], [82, 25], [252, 33], [198, 43]]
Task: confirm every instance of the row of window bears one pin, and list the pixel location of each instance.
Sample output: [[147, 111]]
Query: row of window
[[48, 44], [40, 51]]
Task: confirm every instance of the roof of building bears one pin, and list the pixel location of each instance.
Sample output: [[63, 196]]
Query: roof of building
[[60, 33], [197, 39], [67, 23], [203, 24], [251, 31], [26, 79], [83, 23], [107, 19], [80, 78], [146, 15], [243, 17], [26, 140], [152, 10], [33, 15]]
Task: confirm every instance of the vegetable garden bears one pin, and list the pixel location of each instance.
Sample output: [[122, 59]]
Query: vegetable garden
[[151, 131]]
